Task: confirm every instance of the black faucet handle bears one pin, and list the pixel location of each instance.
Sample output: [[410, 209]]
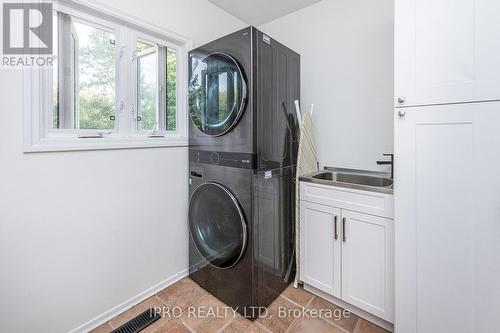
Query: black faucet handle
[[391, 163]]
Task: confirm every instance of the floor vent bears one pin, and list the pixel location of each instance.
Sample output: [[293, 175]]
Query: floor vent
[[138, 323]]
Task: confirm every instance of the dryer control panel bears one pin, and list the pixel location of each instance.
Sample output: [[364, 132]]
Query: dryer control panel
[[235, 160]]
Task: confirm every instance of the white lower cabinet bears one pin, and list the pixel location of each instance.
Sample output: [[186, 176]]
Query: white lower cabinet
[[367, 263], [320, 241], [448, 219], [348, 255]]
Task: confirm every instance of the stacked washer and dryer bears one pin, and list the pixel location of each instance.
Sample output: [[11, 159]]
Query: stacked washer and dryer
[[242, 158]]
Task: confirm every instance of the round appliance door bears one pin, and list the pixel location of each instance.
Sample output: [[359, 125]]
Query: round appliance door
[[217, 225], [217, 93]]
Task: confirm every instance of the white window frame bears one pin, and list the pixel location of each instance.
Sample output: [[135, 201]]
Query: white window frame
[[38, 117], [135, 72], [161, 54]]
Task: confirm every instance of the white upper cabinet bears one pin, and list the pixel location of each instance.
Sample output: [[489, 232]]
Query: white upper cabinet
[[446, 51], [320, 247], [367, 263]]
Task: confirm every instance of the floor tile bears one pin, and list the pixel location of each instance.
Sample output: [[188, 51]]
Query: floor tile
[[297, 295], [151, 302], [277, 319], [207, 315], [173, 326], [181, 294], [334, 314], [315, 325], [242, 325], [104, 328], [367, 327], [204, 313]]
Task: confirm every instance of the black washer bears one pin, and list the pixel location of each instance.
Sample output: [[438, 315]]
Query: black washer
[[217, 225]]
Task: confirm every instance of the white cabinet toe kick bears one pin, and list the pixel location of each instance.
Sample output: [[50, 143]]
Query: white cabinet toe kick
[[347, 249]]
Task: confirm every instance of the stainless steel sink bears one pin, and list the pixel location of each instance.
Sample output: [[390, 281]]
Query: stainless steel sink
[[354, 179], [357, 179]]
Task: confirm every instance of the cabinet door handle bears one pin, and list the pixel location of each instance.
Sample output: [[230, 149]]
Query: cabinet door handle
[[335, 218], [343, 229]]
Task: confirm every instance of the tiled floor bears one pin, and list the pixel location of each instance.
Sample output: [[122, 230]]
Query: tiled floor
[[188, 308]]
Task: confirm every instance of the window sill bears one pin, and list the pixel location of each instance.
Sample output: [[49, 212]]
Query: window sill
[[105, 143]]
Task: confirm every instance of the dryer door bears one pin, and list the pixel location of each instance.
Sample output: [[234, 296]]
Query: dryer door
[[217, 225], [217, 93]]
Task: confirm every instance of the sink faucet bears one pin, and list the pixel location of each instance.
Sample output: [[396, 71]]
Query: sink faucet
[[391, 162]]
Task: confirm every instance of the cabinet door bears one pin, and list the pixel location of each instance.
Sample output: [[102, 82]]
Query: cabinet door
[[367, 263], [447, 51], [320, 247], [447, 191]]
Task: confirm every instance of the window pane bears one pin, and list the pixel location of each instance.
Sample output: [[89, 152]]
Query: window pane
[[147, 106], [171, 89], [84, 77], [96, 77], [55, 75]]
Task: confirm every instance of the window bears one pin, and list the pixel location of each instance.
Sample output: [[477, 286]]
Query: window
[[85, 80], [147, 83], [156, 87], [112, 84], [171, 89]]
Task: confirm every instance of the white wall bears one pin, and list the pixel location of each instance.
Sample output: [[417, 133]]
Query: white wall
[[82, 232], [346, 49]]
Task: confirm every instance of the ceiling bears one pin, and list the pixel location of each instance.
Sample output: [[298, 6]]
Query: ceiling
[[257, 12]]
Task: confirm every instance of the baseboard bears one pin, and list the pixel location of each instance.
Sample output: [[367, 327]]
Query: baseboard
[[357, 311], [110, 314]]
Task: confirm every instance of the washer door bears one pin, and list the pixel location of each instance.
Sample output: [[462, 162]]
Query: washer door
[[217, 93], [217, 225]]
